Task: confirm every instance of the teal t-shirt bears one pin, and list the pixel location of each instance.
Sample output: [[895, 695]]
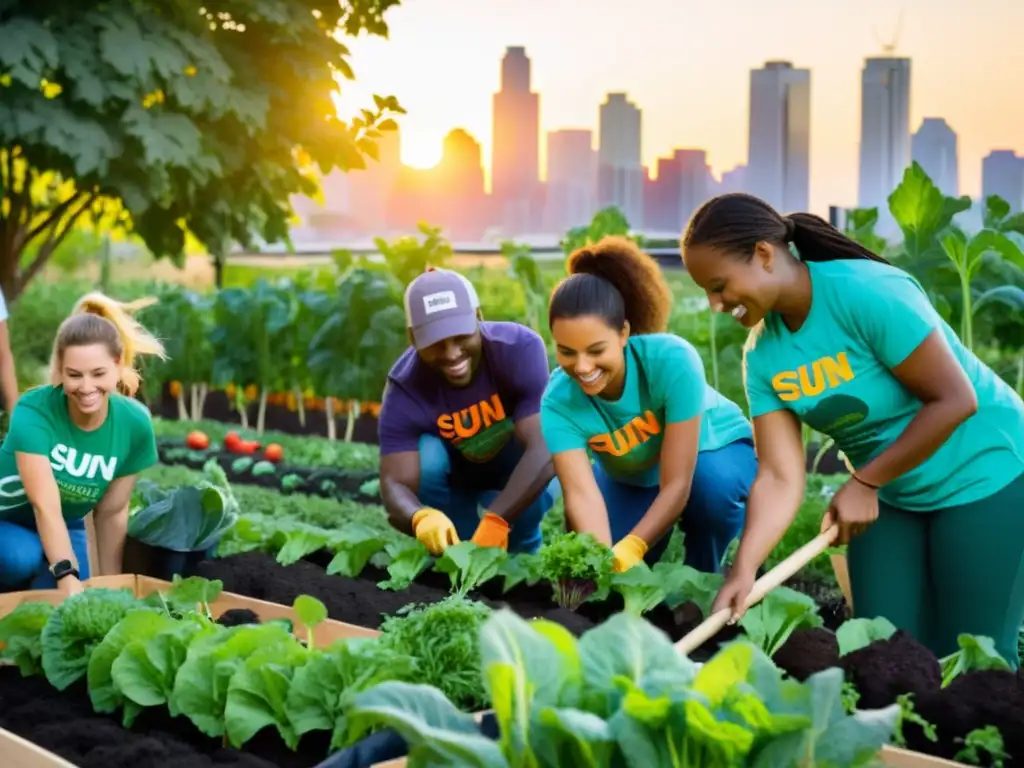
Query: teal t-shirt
[[834, 373], [665, 384], [84, 463]]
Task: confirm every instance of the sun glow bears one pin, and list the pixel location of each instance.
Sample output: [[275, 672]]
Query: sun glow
[[420, 150]]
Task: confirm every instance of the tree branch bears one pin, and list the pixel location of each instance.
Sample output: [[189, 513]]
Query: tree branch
[[54, 217], [54, 240]]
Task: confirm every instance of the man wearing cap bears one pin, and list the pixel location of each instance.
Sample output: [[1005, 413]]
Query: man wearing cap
[[462, 454]]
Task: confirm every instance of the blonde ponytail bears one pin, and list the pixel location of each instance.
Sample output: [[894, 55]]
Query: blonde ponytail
[[99, 319]]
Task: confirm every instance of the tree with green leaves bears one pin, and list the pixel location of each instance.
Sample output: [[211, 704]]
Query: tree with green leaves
[[167, 116]]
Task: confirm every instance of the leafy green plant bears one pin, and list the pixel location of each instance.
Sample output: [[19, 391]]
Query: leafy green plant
[[578, 567], [444, 638], [986, 740], [189, 518], [469, 565], [976, 653], [622, 695], [782, 611], [20, 636], [362, 335]]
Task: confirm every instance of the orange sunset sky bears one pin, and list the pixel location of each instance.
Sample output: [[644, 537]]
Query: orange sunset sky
[[686, 65]]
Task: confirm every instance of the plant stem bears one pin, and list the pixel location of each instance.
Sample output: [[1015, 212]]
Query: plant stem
[[966, 321]]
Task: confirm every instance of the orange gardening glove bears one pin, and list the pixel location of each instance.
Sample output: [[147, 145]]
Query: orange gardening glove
[[628, 552], [434, 529], [492, 531]]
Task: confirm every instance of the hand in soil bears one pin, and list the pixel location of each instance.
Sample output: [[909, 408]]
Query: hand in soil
[[734, 593], [69, 585], [854, 507]]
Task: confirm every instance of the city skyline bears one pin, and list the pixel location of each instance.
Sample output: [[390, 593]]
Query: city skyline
[[695, 112]]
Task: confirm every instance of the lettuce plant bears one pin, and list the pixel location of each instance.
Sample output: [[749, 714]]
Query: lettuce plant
[[577, 565], [622, 696], [469, 565], [76, 627], [782, 611]]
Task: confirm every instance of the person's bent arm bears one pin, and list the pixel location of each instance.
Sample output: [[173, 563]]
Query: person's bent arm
[[110, 517], [678, 459], [777, 490], [934, 376], [531, 475], [585, 511], [399, 475], [44, 496]]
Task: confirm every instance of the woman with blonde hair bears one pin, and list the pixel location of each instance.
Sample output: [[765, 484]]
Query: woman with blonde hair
[[75, 446]]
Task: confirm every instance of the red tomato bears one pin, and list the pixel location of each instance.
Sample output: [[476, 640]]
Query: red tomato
[[197, 440], [274, 452]]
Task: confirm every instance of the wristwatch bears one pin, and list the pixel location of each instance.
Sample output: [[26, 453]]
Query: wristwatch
[[63, 568]]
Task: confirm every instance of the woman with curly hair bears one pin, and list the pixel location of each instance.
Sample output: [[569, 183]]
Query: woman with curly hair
[[668, 448]]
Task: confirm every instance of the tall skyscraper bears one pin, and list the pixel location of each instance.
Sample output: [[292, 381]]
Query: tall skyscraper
[[934, 148], [571, 180], [779, 144], [684, 183], [515, 179], [1002, 173], [620, 172], [884, 129]]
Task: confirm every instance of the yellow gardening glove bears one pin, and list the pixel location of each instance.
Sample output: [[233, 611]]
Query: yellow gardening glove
[[628, 552], [434, 529], [492, 531]]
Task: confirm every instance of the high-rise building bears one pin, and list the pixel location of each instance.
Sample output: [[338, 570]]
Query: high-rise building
[[1002, 173], [515, 178], [571, 180], [884, 129], [684, 183], [620, 171], [934, 148], [779, 143]]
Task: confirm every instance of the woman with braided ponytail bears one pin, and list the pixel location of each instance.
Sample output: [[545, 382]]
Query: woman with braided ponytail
[[849, 344], [668, 448], [75, 446]]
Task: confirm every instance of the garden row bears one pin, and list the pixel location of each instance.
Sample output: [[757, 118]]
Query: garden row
[[368, 575], [110, 677]]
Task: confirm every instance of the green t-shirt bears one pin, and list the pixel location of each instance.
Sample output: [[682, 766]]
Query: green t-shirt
[[834, 373], [665, 384], [84, 462]]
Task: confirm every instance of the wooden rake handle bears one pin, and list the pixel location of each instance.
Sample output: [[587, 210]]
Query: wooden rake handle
[[714, 623]]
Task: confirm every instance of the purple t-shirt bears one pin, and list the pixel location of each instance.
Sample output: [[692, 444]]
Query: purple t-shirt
[[477, 420]]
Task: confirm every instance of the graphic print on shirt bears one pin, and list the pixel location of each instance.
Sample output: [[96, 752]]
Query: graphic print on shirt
[[68, 466], [478, 432], [625, 439], [836, 414]]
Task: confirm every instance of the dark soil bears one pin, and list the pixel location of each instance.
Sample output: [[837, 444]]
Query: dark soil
[[974, 700], [64, 722], [355, 601], [328, 482], [360, 601], [808, 651], [889, 668], [278, 417]]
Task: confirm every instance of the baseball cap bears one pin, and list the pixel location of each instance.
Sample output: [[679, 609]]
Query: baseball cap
[[440, 304]]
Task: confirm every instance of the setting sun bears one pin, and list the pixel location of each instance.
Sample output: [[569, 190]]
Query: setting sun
[[420, 149]]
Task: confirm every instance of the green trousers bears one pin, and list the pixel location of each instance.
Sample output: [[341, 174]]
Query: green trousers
[[943, 573]]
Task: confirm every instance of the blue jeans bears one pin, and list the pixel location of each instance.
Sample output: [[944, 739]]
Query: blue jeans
[[23, 564], [714, 514], [459, 488]]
